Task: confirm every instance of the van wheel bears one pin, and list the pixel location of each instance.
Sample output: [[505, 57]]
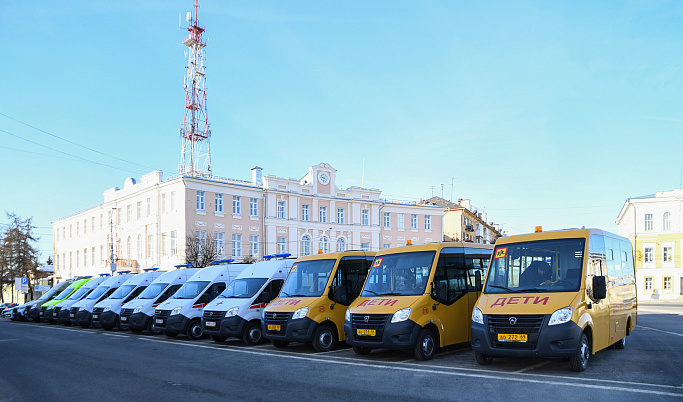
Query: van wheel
[[426, 345], [170, 334], [279, 344], [252, 333], [579, 361], [361, 350], [483, 360], [151, 328], [195, 330], [324, 339], [621, 343], [218, 338]]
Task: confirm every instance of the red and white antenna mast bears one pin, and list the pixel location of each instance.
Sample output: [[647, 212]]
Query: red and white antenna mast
[[195, 158]]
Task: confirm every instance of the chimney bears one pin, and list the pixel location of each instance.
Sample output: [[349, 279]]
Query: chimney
[[465, 204], [257, 175]]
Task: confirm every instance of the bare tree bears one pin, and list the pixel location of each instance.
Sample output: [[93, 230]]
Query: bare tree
[[18, 256], [201, 250]]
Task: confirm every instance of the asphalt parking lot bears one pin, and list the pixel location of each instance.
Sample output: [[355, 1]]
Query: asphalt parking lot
[[42, 361]]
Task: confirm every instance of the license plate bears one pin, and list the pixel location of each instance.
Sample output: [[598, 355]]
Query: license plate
[[124, 318], [366, 332], [210, 324], [512, 337], [95, 316], [273, 327], [158, 321]]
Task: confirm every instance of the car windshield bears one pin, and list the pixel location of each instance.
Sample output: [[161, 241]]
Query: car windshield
[[122, 292], [99, 291], [243, 288], [403, 274], [537, 266], [153, 290], [78, 294], [190, 290], [48, 294], [307, 278], [64, 293]]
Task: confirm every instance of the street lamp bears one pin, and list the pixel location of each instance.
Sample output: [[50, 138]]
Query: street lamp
[[322, 246]]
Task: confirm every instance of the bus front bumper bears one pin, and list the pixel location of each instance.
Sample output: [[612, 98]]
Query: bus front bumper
[[138, 321], [231, 326], [399, 335], [299, 330]]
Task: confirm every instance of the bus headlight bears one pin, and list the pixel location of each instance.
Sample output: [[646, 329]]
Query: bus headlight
[[82, 308], [107, 308], [347, 316], [401, 315], [300, 313], [176, 310], [477, 316], [561, 316], [232, 312], [137, 309]]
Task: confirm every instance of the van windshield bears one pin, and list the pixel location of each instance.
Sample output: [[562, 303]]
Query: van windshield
[[243, 288], [77, 294], [99, 291], [402, 274], [122, 292], [190, 290], [64, 293], [537, 266], [307, 278], [47, 294], [153, 291]]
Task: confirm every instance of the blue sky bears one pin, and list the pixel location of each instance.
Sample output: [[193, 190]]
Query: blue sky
[[544, 113]]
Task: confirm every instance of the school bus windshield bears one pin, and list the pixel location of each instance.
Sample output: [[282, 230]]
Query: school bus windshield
[[307, 278], [402, 274], [538, 266]]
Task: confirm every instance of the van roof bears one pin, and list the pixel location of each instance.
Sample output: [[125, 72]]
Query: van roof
[[145, 277], [117, 279], [556, 234], [266, 269], [334, 256], [176, 274], [486, 248], [214, 271]]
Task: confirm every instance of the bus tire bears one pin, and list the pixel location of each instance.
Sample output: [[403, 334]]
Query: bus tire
[[483, 360], [194, 330], [579, 361], [252, 333], [151, 328], [324, 338], [361, 350], [279, 344], [218, 338], [426, 345]]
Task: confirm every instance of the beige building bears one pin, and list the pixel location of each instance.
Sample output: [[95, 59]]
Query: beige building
[[149, 220], [654, 224], [462, 223]]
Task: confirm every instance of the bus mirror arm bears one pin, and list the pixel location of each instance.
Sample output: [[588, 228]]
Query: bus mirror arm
[[336, 294], [477, 281], [441, 293], [599, 287]]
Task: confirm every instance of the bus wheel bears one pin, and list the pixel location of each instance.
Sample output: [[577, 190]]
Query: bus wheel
[[426, 345], [579, 361], [195, 330], [279, 344], [324, 339], [151, 328], [218, 338], [483, 360], [360, 350], [252, 333]]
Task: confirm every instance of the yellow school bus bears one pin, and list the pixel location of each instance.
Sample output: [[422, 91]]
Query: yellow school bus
[[313, 300], [418, 297], [556, 294]]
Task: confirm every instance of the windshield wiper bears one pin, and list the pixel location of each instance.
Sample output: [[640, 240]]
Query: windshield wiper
[[390, 294], [374, 293], [299, 296], [530, 290], [504, 288]]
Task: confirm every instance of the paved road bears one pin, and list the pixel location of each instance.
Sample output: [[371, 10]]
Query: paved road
[[46, 362]]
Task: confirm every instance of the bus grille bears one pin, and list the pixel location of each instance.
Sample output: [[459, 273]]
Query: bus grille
[[374, 321], [126, 312], [280, 319], [523, 324], [162, 314], [213, 315], [98, 310]]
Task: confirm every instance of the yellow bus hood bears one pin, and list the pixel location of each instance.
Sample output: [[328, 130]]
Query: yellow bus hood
[[382, 305], [289, 304], [525, 303]]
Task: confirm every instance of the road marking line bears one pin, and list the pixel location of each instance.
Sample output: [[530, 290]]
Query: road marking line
[[8, 340], [331, 351], [660, 330], [537, 365]]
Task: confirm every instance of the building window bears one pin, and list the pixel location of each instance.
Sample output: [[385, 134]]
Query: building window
[[399, 221], [101, 221], [323, 244], [365, 217], [253, 246], [200, 235], [253, 207], [78, 257], [129, 213], [85, 257], [140, 250], [387, 220], [236, 245], [150, 246], [304, 213], [413, 221], [281, 245], [323, 214], [93, 223], [666, 221], [236, 205], [648, 222], [85, 226], [174, 242], [668, 284], [218, 203], [119, 218], [129, 246], [428, 222], [164, 244], [119, 249], [200, 200], [667, 255], [365, 246], [281, 209], [78, 225], [386, 246], [101, 253], [139, 210], [219, 243], [305, 245], [341, 245], [648, 284], [92, 256], [648, 254], [340, 216], [163, 202], [149, 206], [172, 201]]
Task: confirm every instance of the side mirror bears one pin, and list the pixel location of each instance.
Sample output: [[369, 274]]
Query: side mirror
[[441, 293], [599, 287], [337, 294], [477, 281]]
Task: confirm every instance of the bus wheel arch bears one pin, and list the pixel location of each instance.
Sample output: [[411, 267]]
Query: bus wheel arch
[[325, 337], [426, 343], [579, 360]]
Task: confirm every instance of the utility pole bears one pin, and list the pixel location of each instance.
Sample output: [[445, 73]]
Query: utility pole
[[112, 264]]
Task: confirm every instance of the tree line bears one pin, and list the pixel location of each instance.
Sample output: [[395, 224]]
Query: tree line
[[18, 253]]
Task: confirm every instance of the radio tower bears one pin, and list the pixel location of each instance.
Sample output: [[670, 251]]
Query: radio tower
[[195, 158]]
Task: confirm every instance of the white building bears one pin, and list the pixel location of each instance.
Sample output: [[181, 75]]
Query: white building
[[654, 224], [150, 220]]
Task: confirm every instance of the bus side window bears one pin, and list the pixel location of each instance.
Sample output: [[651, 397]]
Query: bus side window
[[450, 270]]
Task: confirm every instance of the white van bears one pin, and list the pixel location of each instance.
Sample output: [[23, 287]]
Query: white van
[[61, 310], [81, 312], [138, 314], [237, 311], [106, 312], [183, 311]]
